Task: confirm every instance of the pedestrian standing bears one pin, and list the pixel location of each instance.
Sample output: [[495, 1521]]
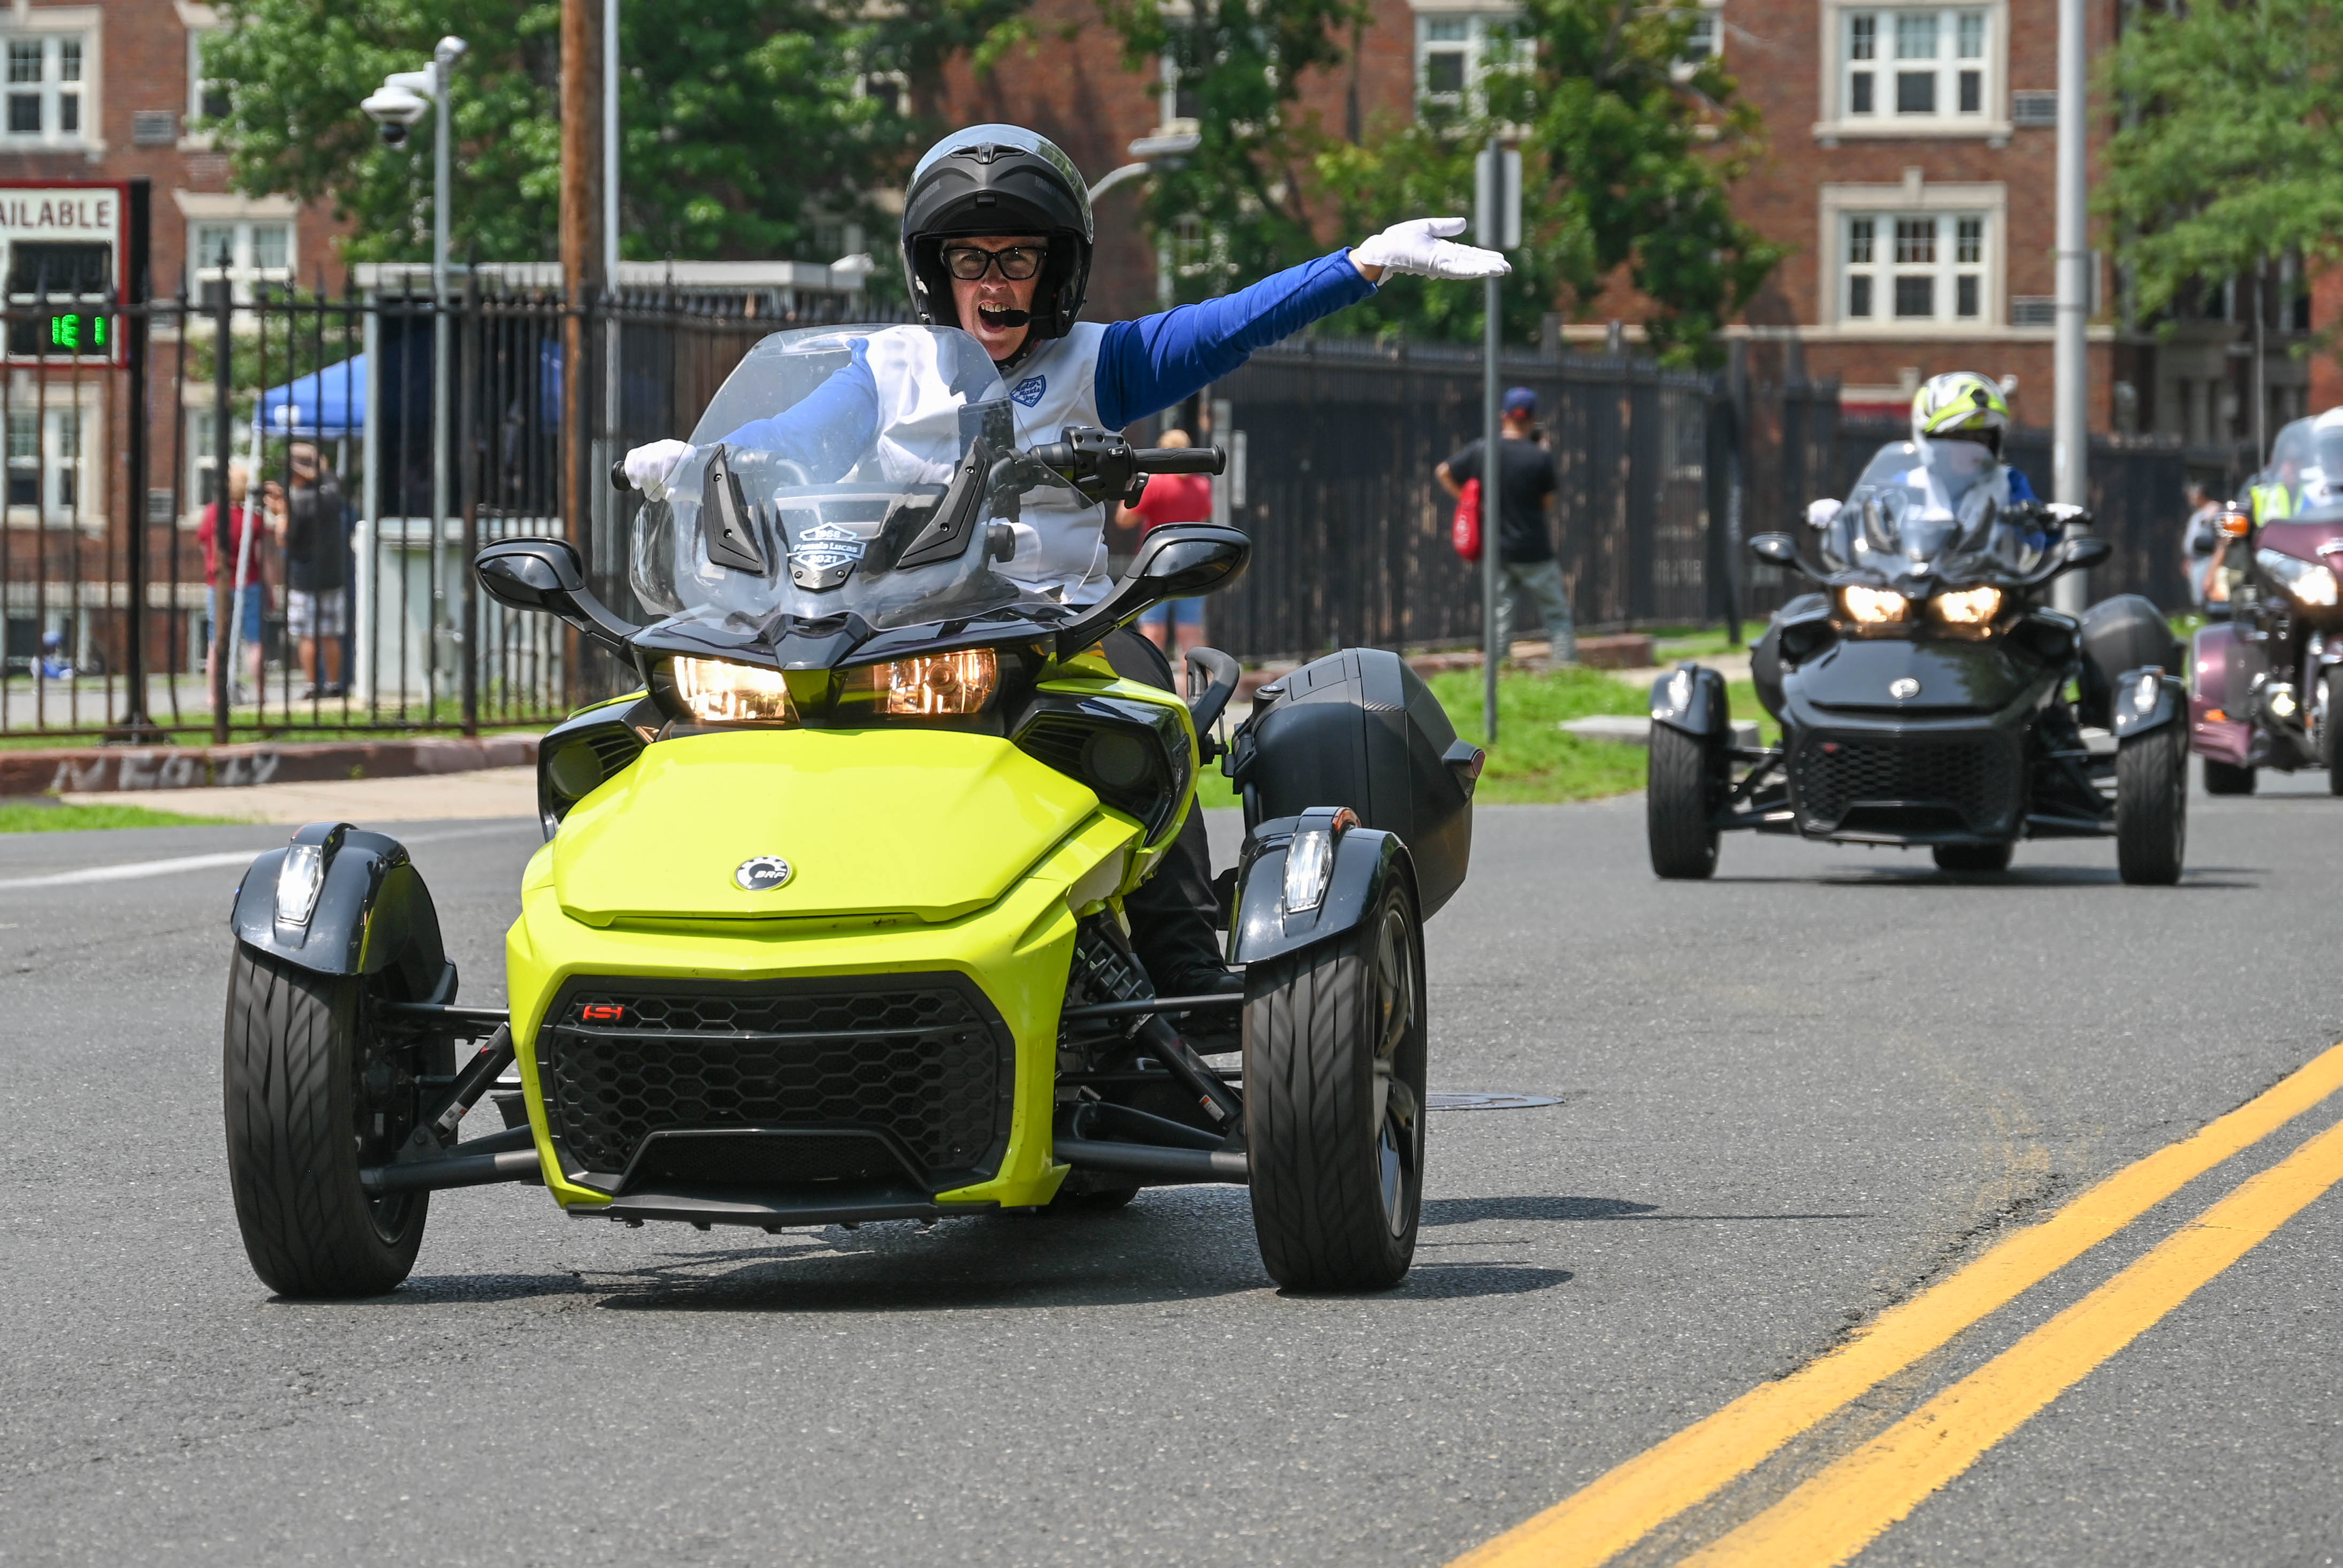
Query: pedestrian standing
[[223, 546], [308, 528], [1171, 498], [2198, 542], [1525, 490]]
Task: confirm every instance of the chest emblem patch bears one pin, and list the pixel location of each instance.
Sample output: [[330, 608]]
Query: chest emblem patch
[[1029, 391]]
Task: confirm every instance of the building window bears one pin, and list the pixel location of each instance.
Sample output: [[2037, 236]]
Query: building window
[[48, 73], [1914, 64], [207, 98], [1455, 53], [1177, 101], [1914, 267], [239, 254], [44, 475]]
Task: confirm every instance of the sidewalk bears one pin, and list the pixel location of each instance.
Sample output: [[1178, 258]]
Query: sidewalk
[[421, 798]]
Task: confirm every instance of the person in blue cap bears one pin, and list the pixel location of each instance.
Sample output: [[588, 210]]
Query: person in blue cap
[[1525, 559]]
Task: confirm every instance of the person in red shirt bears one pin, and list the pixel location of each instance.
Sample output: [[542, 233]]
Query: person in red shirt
[[219, 564], [1171, 498]]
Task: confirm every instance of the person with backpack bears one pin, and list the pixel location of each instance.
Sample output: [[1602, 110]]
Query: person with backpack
[[1525, 558]]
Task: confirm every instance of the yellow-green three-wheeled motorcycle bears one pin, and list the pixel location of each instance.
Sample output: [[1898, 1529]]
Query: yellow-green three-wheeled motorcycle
[[827, 926]]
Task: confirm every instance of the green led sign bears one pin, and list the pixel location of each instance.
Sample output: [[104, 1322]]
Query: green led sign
[[77, 334]]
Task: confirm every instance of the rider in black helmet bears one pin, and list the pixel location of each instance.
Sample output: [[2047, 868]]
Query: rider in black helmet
[[996, 241]]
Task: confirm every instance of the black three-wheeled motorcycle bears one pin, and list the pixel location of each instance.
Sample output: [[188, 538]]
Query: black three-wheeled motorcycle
[[1922, 689]]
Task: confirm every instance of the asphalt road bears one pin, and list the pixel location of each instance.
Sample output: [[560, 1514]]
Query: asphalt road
[[1790, 1098]]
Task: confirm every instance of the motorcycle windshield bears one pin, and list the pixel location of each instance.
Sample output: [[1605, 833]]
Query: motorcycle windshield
[[2307, 459], [842, 475], [1936, 509]]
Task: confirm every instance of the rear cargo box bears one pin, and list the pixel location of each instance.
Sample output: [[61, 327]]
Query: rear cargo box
[[1358, 728]]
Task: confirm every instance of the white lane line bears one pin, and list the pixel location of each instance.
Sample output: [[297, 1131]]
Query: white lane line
[[132, 870]]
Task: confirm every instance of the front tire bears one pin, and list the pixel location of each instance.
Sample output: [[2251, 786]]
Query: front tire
[[2227, 778], [2330, 729], [1976, 859], [2151, 806], [1334, 1062], [301, 1121], [1680, 802]]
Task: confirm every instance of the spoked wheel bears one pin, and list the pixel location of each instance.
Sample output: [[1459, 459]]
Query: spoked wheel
[[1680, 802], [2228, 778], [1334, 1061], [1974, 857], [313, 1096], [2151, 806]]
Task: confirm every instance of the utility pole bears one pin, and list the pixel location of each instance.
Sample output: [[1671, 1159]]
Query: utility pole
[[604, 497], [581, 245], [444, 56], [1498, 226], [2071, 429]]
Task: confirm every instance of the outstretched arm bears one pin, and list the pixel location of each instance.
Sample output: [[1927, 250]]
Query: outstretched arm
[[1148, 364]]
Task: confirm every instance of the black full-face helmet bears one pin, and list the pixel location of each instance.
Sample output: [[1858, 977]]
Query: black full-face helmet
[[996, 180]]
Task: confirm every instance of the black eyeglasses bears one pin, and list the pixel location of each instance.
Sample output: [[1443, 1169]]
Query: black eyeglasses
[[1017, 262]]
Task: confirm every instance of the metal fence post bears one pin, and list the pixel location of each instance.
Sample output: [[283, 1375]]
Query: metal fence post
[[135, 725], [225, 609]]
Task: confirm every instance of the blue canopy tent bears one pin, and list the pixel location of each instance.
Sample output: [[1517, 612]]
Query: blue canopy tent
[[325, 405]]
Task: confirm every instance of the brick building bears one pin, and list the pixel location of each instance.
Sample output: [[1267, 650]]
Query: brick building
[[104, 93], [1911, 172]]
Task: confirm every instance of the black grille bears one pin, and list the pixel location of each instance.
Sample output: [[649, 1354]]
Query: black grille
[[919, 1064], [1969, 783]]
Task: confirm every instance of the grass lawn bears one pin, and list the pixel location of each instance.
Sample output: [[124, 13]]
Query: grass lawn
[[47, 818], [1534, 761]]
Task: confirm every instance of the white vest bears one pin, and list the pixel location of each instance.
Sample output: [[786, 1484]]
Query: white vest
[[1061, 539]]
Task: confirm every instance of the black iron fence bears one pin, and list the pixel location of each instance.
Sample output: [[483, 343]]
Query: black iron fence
[[112, 522]]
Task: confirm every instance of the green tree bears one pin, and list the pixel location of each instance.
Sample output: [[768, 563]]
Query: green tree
[[1629, 156], [747, 130], [1238, 206], [2231, 153]]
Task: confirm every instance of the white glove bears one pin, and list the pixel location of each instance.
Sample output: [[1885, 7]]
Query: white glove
[[649, 467], [1417, 246], [1820, 513]]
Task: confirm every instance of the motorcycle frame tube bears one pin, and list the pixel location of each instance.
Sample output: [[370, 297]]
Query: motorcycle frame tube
[[1018, 950]]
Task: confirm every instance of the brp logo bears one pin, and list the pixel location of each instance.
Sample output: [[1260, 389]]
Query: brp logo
[[1903, 687], [762, 874]]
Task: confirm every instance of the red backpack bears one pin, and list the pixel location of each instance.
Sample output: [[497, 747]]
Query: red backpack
[[1465, 532]]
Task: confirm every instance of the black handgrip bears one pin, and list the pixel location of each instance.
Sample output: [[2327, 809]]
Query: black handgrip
[[619, 480], [1180, 460]]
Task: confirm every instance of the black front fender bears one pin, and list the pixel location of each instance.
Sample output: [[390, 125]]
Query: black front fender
[[1365, 861], [1691, 698], [373, 913], [2169, 699]]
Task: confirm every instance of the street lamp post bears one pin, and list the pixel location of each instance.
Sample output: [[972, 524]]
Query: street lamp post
[[1149, 153]]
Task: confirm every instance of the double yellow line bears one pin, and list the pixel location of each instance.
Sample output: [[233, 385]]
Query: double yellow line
[[1840, 1510]]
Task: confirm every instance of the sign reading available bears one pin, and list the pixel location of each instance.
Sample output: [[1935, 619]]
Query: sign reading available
[[61, 246]]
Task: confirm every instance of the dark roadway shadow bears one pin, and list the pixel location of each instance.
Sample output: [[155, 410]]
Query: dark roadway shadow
[[2016, 878], [1466, 1211]]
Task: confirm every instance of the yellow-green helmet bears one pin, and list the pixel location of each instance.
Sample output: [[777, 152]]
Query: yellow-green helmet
[[1962, 405]]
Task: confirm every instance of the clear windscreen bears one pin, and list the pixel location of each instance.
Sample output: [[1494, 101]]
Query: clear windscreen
[[856, 469], [2308, 461], [1941, 507]]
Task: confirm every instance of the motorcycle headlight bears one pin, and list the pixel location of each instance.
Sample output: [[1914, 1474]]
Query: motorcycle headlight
[[1970, 606], [1872, 607], [2307, 581], [719, 691], [936, 685]]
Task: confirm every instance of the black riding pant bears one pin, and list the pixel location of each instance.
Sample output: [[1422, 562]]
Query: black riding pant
[[1171, 914]]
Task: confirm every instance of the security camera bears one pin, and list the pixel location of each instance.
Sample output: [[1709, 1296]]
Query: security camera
[[403, 99]]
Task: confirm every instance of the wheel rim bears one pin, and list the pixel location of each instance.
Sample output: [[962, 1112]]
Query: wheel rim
[[384, 1104], [1396, 1105]]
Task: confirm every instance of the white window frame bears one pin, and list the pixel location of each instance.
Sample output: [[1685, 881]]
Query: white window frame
[[1842, 206], [244, 270], [1474, 24], [1840, 117], [53, 30], [68, 431], [1707, 40], [200, 20]]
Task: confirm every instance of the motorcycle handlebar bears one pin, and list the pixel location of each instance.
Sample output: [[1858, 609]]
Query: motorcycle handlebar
[[618, 476], [1180, 460]]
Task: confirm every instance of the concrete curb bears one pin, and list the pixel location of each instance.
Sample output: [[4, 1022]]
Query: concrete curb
[[117, 768]]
